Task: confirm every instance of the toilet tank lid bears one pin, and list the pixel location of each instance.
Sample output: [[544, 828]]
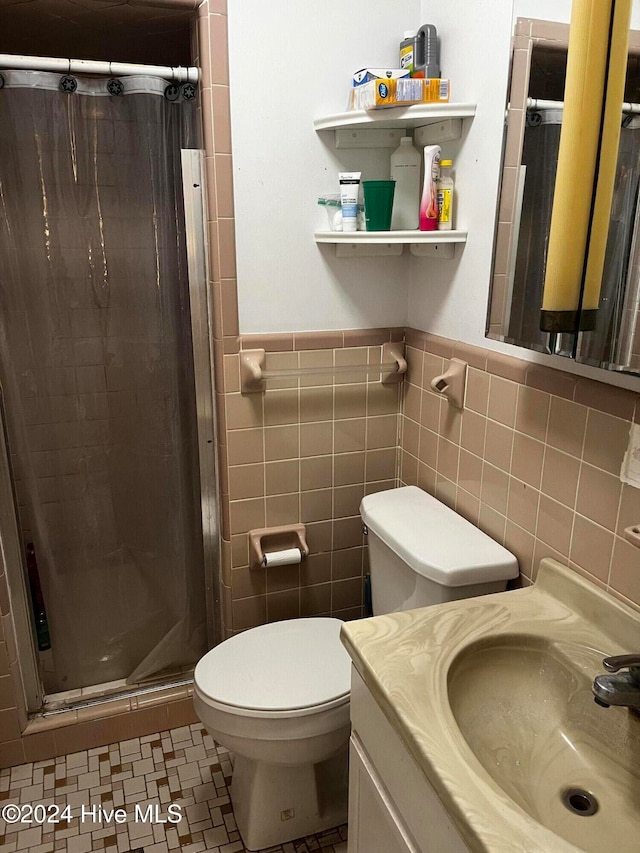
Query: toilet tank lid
[[434, 540]]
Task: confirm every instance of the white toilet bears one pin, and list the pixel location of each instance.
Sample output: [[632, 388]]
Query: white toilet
[[277, 695]]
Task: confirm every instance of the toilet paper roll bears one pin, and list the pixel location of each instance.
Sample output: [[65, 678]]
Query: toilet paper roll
[[286, 557]]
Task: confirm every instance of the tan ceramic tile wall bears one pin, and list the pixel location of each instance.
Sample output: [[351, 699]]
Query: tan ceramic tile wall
[[212, 46], [534, 459], [306, 450]]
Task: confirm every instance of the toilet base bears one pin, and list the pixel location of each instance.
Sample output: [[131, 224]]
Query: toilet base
[[275, 803]]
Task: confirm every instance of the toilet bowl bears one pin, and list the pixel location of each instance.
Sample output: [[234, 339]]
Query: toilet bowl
[[277, 696]]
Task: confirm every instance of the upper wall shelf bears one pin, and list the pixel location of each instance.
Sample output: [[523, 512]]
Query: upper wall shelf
[[406, 117]]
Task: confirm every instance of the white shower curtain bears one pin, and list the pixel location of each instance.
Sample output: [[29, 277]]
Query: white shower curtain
[[97, 371]]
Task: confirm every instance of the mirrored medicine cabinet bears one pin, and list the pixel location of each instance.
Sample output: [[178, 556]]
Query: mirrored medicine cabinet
[[609, 336]]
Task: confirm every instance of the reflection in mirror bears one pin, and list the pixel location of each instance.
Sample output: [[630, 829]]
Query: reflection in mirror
[[534, 118]]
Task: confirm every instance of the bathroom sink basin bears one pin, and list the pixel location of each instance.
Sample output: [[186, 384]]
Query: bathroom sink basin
[[492, 698], [526, 710]]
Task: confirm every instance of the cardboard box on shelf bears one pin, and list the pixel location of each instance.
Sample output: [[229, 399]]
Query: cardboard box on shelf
[[365, 75], [401, 92]]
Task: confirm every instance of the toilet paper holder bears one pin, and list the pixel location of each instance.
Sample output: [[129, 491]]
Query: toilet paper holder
[[268, 540]]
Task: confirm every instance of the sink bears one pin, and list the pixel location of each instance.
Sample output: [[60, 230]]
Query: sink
[[492, 698], [525, 708]]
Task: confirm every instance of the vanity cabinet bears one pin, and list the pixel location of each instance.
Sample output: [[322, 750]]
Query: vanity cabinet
[[374, 820], [382, 129], [392, 806]]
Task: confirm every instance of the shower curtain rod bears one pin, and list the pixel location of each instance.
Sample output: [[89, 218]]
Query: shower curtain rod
[[177, 73], [541, 104]]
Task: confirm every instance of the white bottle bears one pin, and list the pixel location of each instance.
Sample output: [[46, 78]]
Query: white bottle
[[444, 190], [405, 171]]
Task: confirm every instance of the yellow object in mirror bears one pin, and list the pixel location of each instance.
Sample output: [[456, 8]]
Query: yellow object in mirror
[[606, 171], [594, 89]]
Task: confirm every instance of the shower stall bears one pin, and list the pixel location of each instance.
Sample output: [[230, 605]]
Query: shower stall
[[108, 514]]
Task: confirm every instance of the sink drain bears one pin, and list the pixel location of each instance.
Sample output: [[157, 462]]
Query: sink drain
[[579, 801]]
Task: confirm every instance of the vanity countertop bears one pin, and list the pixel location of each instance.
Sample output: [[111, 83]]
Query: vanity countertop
[[405, 659]]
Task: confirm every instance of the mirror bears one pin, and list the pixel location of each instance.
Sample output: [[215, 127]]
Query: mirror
[[610, 337]]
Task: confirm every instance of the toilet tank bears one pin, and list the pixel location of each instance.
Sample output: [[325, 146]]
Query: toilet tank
[[421, 552]]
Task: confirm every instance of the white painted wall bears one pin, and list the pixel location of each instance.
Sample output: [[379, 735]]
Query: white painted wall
[[449, 298], [291, 63], [445, 298]]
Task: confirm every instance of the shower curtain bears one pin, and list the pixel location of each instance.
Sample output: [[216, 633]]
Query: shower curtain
[[601, 346], [611, 343], [539, 159], [97, 371]]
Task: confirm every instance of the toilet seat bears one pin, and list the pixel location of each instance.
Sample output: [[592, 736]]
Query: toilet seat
[[283, 669]]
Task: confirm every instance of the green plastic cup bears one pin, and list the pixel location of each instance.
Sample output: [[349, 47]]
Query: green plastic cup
[[378, 204]]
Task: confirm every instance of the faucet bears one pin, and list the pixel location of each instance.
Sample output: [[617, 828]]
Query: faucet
[[622, 689]]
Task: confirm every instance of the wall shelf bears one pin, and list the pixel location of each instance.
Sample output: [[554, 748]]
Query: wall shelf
[[366, 129], [417, 115], [350, 244]]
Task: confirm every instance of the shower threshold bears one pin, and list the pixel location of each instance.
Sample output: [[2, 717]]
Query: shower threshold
[[97, 694]]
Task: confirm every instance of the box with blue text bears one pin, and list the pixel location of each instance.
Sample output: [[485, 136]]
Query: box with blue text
[[401, 92], [366, 75]]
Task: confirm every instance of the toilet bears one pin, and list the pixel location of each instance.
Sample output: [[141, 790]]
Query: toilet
[[277, 696]]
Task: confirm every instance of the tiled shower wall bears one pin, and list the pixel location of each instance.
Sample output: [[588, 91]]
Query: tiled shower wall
[[534, 459]]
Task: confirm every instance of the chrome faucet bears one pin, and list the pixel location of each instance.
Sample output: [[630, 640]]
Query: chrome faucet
[[622, 689]]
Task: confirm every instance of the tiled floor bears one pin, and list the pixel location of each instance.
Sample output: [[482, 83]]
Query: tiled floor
[[182, 766]]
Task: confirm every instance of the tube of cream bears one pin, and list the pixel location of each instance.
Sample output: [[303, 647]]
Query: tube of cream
[[349, 186], [428, 220]]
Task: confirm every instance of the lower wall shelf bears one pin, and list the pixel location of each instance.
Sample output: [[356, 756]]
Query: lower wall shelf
[[433, 244]]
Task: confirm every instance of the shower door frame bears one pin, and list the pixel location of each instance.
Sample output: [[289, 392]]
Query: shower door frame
[[22, 622], [201, 311], [201, 315]]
